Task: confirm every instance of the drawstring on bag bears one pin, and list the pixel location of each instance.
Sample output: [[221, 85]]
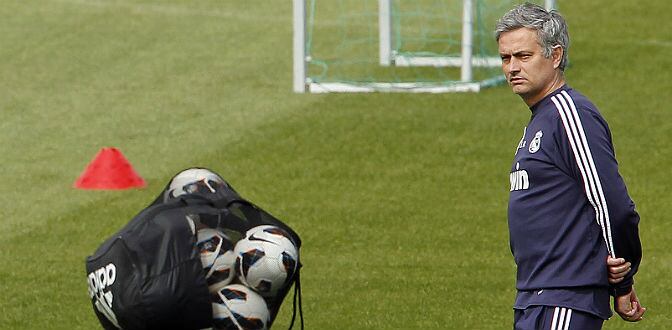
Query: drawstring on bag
[[297, 293]]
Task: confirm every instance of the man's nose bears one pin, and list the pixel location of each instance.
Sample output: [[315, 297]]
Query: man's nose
[[514, 65]]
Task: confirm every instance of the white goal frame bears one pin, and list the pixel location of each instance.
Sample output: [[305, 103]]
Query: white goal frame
[[388, 57]]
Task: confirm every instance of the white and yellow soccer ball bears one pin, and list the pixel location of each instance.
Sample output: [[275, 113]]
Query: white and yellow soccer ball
[[266, 259], [236, 307], [217, 257]]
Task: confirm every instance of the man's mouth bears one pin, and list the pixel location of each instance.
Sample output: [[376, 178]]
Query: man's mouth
[[516, 80]]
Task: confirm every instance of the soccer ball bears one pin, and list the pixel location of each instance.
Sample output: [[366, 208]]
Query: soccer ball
[[217, 257], [236, 307], [194, 181], [266, 259]]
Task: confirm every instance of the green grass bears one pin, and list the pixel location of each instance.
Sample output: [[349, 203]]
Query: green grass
[[400, 199]]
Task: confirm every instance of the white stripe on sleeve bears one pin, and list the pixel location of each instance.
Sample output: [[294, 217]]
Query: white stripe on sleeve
[[593, 169], [584, 159]]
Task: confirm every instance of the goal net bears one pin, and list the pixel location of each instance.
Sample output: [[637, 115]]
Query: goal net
[[397, 45]]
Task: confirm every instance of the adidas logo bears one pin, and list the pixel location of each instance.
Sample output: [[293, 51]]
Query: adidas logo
[[99, 280]]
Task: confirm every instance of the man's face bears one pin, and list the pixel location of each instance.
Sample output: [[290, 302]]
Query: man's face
[[527, 71]]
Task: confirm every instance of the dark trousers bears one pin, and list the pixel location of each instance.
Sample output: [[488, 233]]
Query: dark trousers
[[554, 318]]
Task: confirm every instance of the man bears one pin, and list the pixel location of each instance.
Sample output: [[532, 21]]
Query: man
[[569, 209]]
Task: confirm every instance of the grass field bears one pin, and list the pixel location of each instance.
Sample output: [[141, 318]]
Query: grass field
[[400, 199]]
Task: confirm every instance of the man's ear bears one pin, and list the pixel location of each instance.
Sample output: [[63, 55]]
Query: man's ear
[[556, 54]]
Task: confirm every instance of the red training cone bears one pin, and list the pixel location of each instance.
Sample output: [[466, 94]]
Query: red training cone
[[109, 170]]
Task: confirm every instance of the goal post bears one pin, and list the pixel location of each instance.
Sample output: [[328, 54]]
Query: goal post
[[299, 45], [387, 55], [385, 32], [467, 39], [397, 45]]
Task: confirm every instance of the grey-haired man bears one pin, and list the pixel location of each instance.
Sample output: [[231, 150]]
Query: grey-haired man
[[569, 209]]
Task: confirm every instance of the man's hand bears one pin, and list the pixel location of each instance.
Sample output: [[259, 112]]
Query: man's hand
[[618, 268], [628, 306]]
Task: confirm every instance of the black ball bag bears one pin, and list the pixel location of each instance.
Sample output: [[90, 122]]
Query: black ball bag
[[149, 274]]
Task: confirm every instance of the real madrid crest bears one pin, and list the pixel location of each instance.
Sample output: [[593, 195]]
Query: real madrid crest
[[536, 142]]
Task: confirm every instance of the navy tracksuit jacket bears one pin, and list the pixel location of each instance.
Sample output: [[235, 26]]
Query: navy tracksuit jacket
[[569, 208]]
